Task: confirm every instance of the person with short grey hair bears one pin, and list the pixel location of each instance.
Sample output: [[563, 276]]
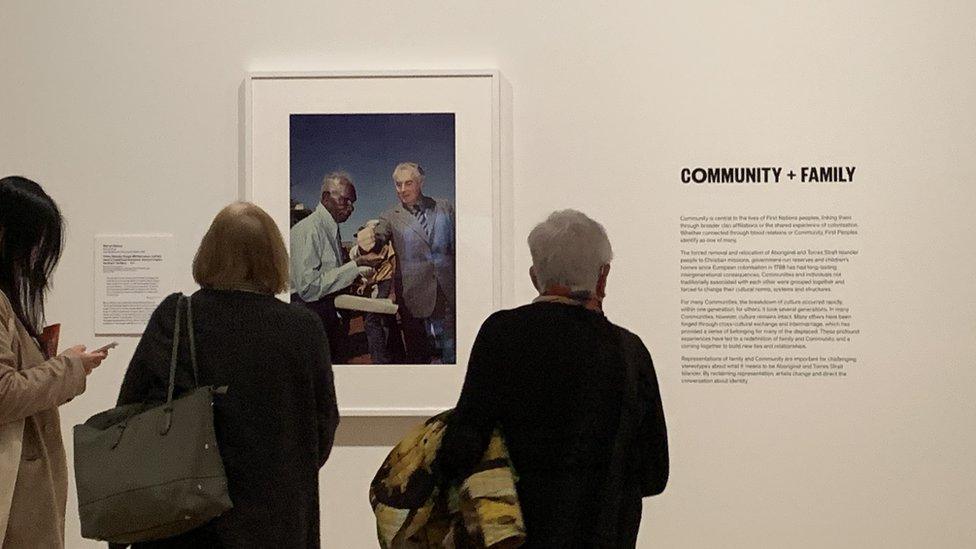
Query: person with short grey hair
[[575, 396], [570, 250]]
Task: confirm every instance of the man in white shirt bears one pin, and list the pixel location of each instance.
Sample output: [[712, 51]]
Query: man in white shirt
[[320, 268]]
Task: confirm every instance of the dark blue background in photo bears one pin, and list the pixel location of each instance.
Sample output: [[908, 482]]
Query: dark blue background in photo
[[369, 146]]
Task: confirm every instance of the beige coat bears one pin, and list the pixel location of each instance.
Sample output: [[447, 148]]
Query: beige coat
[[31, 389]]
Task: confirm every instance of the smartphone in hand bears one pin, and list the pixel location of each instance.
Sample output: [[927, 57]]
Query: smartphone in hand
[[106, 348]]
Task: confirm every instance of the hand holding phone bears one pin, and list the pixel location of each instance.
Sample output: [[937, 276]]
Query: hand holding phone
[[91, 359], [106, 348]]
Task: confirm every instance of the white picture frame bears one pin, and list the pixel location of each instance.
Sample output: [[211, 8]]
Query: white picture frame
[[482, 203]]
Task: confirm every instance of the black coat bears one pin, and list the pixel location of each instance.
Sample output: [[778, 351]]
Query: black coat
[[275, 425], [553, 377]]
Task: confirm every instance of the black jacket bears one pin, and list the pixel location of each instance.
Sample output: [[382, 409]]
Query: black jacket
[[553, 377], [276, 423]]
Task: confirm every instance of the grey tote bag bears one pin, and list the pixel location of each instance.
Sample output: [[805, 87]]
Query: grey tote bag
[[151, 473]]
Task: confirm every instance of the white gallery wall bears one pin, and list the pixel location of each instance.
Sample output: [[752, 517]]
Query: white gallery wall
[[130, 113]]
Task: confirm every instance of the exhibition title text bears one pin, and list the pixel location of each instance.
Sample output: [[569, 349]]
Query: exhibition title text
[[767, 174]]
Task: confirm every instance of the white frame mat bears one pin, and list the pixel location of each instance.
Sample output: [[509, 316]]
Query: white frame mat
[[474, 96]]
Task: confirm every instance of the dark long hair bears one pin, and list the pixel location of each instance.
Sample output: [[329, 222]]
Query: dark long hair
[[31, 238]]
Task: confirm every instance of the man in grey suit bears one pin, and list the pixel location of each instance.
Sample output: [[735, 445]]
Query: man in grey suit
[[422, 230]]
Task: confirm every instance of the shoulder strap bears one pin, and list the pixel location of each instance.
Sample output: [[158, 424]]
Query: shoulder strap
[[193, 344], [174, 357]]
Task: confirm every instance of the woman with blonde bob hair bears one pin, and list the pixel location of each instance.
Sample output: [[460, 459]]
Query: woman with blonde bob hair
[[275, 425]]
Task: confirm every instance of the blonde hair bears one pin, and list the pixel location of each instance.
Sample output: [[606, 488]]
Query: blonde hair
[[242, 250]]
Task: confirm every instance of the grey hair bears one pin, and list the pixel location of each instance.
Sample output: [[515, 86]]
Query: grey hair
[[334, 179], [569, 249], [417, 169]]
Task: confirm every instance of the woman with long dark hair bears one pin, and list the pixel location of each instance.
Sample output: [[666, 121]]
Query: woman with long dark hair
[[33, 469]]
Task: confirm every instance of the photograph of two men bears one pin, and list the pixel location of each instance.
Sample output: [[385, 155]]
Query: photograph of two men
[[373, 233]]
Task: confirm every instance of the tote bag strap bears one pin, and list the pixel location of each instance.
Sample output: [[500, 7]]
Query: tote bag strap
[[175, 356], [193, 345]]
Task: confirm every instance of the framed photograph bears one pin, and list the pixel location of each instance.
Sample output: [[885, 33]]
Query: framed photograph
[[387, 187]]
